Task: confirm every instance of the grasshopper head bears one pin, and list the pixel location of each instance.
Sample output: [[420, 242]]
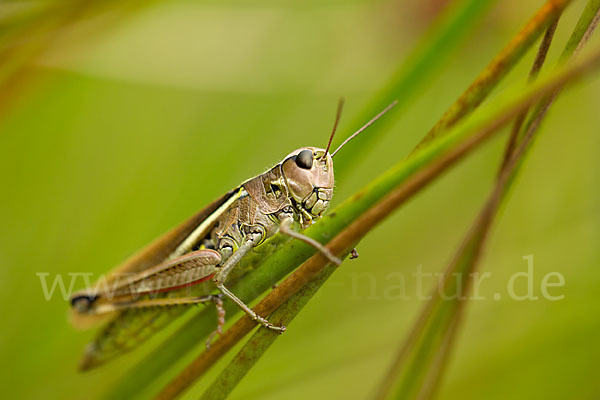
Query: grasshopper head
[[308, 173]]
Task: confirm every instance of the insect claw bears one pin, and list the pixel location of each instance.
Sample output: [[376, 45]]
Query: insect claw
[[353, 254], [277, 328], [266, 324]]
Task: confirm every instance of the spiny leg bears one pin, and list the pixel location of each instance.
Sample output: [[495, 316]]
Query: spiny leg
[[252, 240], [263, 321], [220, 320], [286, 229]]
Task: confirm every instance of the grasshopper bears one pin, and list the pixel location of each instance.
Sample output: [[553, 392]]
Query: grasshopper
[[207, 247]]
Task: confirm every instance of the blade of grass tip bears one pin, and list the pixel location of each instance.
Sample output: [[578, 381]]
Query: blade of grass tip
[[497, 69], [447, 325], [415, 72], [403, 187], [587, 23]]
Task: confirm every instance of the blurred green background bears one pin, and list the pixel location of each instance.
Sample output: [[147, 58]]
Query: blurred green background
[[150, 117]]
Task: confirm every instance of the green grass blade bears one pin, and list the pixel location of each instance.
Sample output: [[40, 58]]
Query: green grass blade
[[585, 25]]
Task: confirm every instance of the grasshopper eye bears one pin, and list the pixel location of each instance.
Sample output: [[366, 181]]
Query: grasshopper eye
[[304, 159]]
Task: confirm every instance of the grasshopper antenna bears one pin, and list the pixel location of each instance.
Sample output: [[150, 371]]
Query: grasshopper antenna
[[365, 126], [335, 124]]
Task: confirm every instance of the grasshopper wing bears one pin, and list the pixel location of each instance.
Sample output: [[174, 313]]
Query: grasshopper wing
[[122, 292], [155, 254]]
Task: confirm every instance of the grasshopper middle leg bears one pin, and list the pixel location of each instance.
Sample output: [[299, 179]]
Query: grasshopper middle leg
[[286, 229]]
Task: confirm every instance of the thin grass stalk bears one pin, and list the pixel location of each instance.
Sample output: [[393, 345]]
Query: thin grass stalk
[[473, 245], [497, 69], [469, 252], [535, 70], [586, 25]]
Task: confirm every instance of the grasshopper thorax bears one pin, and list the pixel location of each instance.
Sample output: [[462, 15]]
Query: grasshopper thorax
[[308, 175]]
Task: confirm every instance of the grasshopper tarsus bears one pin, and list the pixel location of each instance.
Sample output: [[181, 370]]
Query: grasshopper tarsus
[[266, 324], [353, 254]]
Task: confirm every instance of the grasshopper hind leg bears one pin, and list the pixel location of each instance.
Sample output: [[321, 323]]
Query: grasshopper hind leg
[[217, 299], [251, 241], [251, 313]]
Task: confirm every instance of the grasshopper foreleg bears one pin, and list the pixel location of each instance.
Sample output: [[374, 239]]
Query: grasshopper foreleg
[[252, 240], [286, 229]]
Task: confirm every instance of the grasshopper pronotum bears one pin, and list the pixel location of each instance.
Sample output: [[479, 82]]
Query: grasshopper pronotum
[[209, 245]]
